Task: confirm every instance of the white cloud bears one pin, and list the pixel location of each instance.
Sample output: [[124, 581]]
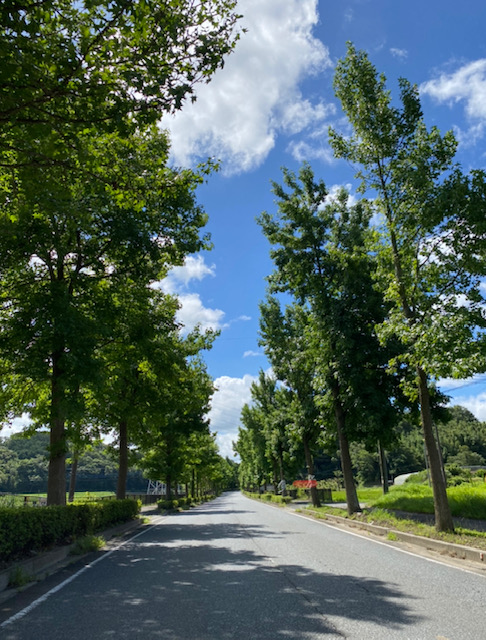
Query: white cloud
[[467, 84], [193, 312], [349, 15], [476, 405], [194, 268], [399, 53], [226, 405], [16, 426], [252, 354], [302, 151], [238, 115]]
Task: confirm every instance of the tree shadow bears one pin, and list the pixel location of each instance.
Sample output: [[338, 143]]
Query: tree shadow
[[190, 581]]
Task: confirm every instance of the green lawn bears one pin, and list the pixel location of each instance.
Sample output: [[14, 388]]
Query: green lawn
[[466, 500]]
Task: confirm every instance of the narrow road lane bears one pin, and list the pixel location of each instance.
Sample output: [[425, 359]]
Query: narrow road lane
[[238, 569]]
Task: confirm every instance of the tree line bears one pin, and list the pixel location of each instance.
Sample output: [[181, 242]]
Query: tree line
[[24, 465], [92, 217], [373, 298]]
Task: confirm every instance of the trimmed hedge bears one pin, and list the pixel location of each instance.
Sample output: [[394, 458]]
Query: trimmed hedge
[[181, 503], [26, 530], [268, 497]]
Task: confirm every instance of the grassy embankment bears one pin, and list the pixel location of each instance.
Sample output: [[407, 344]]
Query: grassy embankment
[[467, 500]]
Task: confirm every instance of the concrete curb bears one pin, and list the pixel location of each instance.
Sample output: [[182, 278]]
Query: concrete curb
[[450, 549], [45, 563]]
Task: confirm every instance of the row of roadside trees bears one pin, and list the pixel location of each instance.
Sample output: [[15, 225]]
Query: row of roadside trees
[[92, 216], [385, 291]]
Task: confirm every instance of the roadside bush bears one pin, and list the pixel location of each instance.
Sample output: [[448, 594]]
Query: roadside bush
[[268, 497], [29, 530]]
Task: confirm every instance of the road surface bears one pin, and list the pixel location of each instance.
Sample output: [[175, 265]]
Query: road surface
[[238, 569]]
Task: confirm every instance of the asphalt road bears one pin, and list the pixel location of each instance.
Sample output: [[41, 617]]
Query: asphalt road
[[239, 569]]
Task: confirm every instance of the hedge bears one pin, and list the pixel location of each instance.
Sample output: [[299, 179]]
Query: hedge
[[178, 503], [268, 497], [29, 529]]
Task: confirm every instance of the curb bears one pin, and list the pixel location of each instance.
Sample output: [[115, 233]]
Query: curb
[[47, 562], [450, 549]]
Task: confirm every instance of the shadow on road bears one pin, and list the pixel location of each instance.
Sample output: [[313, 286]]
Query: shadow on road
[[190, 580]]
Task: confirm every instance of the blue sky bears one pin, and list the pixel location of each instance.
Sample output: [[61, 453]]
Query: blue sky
[[270, 107]]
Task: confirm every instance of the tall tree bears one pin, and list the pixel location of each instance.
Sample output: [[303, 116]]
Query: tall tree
[[426, 251], [319, 249], [71, 248], [285, 339]]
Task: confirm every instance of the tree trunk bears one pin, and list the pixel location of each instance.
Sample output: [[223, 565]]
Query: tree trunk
[[346, 465], [72, 479], [275, 476], [121, 485], [56, 480], [168, 485], [309, 461], [443, 515], [383, 467], [281, 469], [193, 484]]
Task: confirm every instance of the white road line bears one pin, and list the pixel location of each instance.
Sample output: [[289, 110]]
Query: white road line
[[385, 544], [61, 585]]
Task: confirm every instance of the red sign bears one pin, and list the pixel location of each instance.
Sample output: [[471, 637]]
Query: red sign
[[304, 484]]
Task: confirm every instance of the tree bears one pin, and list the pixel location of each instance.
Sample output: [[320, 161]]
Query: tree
[[426, 251], [71, 68], [177, 412], [87, 201], [71, 249], [321, 257], [255, 469], [285, 339]]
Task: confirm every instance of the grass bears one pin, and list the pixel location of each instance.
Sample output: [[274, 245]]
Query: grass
[[384, 518], [18, 578], [86, 544], [13, 500], [367, 495], [467, 500]]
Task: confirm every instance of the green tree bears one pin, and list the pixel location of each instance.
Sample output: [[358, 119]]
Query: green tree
[[177, 412], [427, 260], [76, 67], [285, 339], [70, 250], [321, 257], [255, 469], [9, 467]]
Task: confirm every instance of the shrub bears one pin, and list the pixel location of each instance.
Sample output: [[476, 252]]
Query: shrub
[[27, 530]]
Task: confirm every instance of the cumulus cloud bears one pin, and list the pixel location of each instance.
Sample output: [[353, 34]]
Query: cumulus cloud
[[304, 151], [228, 400], [192, 311], [238, 115], [468, 85], [476, 405], [194, 268]]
